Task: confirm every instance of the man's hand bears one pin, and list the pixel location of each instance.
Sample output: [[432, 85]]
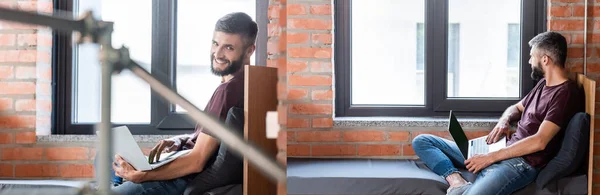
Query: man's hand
[[125, 170], [511, 114], [165, 145], [479, 162], [501, 129], [193, 162]]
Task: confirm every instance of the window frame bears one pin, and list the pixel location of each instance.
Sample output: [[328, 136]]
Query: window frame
[[164, 119], [436, 31]]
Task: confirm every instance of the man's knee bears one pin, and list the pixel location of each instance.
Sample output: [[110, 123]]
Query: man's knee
[[422, 140]]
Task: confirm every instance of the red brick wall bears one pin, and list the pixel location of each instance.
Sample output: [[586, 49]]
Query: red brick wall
[[25, 102], [26, 105], [308, 101], [276, 51]]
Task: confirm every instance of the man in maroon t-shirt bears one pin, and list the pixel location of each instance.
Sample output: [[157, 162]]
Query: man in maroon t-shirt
[[541, 116], [233, 43]]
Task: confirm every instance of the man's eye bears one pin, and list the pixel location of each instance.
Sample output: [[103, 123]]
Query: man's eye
[[230, 48]]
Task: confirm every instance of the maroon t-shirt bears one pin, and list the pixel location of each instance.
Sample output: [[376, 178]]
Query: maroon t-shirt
[[228, 94], [556, 104]]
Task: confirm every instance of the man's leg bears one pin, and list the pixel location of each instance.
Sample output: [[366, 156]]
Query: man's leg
[[443, 157], [174, 186], [504, 177]]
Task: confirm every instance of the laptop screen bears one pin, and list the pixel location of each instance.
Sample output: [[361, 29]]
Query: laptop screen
[[458, 135]]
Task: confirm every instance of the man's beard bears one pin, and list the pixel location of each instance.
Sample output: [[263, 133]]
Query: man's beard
[[537, 73], [232, 66]]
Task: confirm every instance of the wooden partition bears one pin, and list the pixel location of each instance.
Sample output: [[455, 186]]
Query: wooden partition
[[260, 97], [589, 87]]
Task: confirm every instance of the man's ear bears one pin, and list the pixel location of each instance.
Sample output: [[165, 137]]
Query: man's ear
[[250, 50], [545, 60]]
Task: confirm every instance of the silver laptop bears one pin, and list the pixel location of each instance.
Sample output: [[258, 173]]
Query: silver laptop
[[125, 146], [471, 147]]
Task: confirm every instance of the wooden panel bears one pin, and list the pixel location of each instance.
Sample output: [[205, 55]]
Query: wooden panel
[[260, 97], [589, 87]]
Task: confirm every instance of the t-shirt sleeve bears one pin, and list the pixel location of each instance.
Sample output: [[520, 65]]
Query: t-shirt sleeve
[[557, 107]]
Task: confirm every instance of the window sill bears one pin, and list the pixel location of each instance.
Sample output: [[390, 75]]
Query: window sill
[[93, 138], [431, 122]]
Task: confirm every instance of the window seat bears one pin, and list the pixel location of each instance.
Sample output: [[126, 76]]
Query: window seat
[[385, 176]]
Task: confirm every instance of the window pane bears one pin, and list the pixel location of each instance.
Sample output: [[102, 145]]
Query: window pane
[[420, 46], [513, 45], [195, 26], [483, 48], [453, 49], [388, 52], [130, 95]]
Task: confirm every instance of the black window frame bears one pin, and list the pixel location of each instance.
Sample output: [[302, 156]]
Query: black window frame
[[164, 118], [533, 22]]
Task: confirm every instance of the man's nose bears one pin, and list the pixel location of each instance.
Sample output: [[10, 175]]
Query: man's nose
[[218, 53]]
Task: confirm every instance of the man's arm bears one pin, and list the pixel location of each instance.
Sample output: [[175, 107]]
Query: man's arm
[[531, 144], [183, 137], [556, 114], [512, 113], [193, 162]]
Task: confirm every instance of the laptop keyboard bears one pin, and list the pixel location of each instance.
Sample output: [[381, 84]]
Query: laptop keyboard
[[479, 146]]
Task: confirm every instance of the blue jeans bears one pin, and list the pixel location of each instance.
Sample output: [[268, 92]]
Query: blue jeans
[[174, 186], [443, 157]]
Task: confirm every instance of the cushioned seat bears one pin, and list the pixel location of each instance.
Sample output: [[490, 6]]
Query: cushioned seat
[[370, 176], [46, 187], [234, 189]]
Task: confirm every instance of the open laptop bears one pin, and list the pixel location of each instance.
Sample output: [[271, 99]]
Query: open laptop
[[472, 147], [125, 145]]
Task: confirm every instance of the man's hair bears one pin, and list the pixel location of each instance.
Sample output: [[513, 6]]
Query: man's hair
[[552, 44], [239, 23]]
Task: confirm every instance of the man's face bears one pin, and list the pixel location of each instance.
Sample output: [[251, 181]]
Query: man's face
[[227, 53], [537, 72]]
